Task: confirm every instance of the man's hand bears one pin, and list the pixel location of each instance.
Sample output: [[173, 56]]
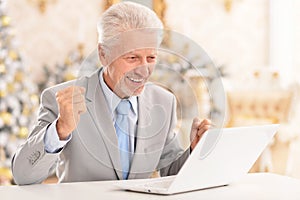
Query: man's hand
[[198, 129], [71, 103]]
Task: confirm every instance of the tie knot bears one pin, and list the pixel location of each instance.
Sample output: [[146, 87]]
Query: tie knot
[[123, 107]]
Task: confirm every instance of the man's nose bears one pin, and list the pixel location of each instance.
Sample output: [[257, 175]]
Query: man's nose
[[143, 70]]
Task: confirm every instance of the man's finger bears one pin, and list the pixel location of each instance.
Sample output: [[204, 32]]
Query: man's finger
[[205, 122], [75, 90], [70, 91], [80, 108], [82, 90], [196, 123], [202, 130], [79, 98]]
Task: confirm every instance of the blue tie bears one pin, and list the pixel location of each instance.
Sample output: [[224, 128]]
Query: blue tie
[[122, 130]]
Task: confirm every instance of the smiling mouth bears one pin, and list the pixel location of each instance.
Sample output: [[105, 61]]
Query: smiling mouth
[[136, 80]]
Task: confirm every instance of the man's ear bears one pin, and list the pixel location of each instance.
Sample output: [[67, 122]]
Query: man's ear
[[102, 54]]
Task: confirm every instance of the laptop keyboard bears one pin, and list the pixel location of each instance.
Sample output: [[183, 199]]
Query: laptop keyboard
[[158, 184]]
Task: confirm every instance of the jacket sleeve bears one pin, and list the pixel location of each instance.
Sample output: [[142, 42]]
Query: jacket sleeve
[[31, 163], [173, 156]]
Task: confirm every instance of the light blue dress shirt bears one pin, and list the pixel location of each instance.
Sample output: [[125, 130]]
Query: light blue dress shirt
[[112, 100], [51, 139]]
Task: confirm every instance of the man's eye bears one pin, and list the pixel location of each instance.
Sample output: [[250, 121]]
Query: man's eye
[[131, 57], [152, 58]]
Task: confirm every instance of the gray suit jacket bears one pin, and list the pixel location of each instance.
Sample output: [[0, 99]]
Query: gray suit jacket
[[92, 154]]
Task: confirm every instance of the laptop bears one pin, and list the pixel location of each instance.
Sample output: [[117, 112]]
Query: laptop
[[221, 157]]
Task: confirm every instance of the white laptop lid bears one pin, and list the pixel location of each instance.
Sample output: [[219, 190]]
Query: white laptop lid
[[223, 156]]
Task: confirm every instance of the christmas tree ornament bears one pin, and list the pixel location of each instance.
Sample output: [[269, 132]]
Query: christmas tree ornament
[[23, 132], [2, 93], [13, 55], [26, 111], [2, 68], [34, 99], [69, 76], [6, 117], [10, 88], [19, 76], [5, 176], [5, 20]]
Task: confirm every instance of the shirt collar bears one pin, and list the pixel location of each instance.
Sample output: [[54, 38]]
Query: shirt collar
[[112, 99]]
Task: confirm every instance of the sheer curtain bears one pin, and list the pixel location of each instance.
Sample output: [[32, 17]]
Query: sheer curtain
[[284, 56], [282, 52]]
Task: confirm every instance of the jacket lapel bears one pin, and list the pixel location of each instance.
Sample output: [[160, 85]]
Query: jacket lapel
[[96, 105]]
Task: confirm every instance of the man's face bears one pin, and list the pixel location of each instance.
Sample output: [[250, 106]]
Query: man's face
[[127, 75]]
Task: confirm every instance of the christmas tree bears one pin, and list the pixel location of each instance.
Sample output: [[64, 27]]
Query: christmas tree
[[18, 97]]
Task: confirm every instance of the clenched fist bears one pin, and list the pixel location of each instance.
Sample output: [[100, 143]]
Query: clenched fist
[[71, 104], [198, 129]]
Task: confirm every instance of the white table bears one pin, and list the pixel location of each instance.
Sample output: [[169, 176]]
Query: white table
[[257, 186]]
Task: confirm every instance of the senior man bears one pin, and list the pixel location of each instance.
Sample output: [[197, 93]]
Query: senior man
[[113, 124]]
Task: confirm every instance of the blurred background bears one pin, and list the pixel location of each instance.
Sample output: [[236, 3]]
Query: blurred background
[[253, 43]]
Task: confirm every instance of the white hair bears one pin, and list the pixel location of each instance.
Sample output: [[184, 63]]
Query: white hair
[[125, 16]]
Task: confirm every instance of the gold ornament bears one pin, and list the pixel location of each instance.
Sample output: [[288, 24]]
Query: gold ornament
[[26, 111], [5, 20], [228, 5], [69, 76], [275, 75], [109, 3], [3, 93], [23, 132], [34, 98], [42, 4], [2, 154], [10, 87], [173, 59], [6, 117], [19, 76], [160, 7], [5, 176], [80, 48], [256, 74], [68, 62], [2, 68], [13, 55]]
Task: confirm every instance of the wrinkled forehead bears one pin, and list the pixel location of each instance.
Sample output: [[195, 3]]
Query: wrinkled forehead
[[131, 41]]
